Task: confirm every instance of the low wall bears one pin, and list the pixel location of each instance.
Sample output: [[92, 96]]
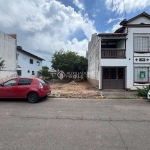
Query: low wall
[[5, 75], [94, 82]]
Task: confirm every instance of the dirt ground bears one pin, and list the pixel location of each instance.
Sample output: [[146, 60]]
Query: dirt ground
[[73, 89]]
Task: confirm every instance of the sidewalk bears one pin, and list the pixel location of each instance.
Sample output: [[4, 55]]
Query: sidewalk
[[118, 94]]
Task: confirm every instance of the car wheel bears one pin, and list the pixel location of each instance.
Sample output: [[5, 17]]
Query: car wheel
[[33, 97]]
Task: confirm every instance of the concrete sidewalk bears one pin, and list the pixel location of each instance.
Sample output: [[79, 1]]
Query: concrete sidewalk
[[118, 94]]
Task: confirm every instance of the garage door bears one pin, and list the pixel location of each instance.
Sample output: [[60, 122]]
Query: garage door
[[113, 78]]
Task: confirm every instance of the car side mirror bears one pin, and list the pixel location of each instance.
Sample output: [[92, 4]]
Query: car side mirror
[[2, 84]]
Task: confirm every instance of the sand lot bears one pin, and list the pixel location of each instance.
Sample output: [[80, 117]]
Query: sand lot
[[73, 89]]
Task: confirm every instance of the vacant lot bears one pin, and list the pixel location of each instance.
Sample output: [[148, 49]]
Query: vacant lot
[[82, 89], [73, 89]]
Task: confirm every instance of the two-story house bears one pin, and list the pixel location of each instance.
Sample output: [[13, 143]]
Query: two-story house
[[8, 46], [28, 64], [121, 60]]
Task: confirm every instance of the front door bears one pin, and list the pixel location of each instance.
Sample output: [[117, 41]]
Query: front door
[[113, 78]]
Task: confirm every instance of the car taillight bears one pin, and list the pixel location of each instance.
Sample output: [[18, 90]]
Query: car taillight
[[40, 86]]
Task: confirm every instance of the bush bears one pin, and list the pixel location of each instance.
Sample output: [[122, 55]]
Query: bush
[[143, 92], [45, 73]]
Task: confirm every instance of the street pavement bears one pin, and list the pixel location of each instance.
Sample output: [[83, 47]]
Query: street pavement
[[75, 124]]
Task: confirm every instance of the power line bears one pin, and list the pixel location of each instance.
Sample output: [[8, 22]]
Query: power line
[[125, 10], [116, 5]]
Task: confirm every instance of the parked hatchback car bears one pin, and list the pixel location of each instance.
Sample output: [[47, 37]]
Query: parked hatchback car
[[31, 88]]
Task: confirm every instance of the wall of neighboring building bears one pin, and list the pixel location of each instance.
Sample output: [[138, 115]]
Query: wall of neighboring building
[[93, 60], [131, 57], [8, 53], [26, 68]]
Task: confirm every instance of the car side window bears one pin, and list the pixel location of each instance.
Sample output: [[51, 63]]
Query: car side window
[[10, 82], [24, 81]]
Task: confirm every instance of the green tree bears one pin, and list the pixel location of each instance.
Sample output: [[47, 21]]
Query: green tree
[[69, 61], [2, 63], [45, 73]]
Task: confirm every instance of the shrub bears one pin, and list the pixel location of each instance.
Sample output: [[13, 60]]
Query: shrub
[[143, 91]]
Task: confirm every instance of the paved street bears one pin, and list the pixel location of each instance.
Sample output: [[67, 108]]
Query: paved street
[[63, 124]]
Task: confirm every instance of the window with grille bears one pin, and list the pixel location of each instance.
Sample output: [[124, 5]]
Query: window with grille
[[141, 74], [141, 43], [31, 61], [19, 72]]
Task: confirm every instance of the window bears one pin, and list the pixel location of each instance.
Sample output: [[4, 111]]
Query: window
[[33, 73], [19, 72], [38, 63], [24, 81], [31, 61], [28, 71], [141, 74], [141, 43], [10, 82]]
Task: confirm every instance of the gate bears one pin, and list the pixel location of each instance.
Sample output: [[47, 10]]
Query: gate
[[113, 78]]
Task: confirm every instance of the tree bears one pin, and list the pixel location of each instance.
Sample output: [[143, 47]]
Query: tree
[[2, 63], [45, 73], [69, 61]]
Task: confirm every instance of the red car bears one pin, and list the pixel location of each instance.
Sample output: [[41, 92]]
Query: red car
[[31, 88]]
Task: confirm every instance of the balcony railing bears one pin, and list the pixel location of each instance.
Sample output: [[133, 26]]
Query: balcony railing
[[113, 53]]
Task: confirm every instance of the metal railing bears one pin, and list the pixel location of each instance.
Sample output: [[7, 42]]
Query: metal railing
[[113, 53]]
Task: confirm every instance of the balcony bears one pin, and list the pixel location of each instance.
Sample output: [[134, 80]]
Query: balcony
[[113, 53]]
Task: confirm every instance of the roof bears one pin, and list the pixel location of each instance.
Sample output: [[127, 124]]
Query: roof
[[20, 49], [124, 22], [111, 34], [120, 30], [112, 37]]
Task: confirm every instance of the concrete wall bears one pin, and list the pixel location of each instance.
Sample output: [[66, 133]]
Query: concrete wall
[[93, 60], [27, 68], [8, 53]]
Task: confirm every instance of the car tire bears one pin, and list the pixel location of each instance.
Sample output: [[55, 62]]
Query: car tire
[[33, 97]]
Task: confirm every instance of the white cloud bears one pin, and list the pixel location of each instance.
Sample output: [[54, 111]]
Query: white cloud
[[114, 28], [113, 19], [130, 5], [45, 25], [79, 4]]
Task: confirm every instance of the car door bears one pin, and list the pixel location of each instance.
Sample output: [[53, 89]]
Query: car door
[[6, 90], [22, 87]]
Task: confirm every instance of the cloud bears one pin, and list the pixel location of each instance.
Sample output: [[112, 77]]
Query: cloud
[[129, 5], [45, 26], [113, 19], [79, 4], [114, 28]]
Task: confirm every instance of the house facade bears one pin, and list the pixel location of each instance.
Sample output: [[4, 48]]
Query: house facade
[[121, 60], [8, 46], [28, 64]]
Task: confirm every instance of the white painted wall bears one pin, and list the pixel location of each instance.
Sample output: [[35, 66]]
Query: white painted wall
[[8, 53], [130, 55], [24, 62], [139, 20]]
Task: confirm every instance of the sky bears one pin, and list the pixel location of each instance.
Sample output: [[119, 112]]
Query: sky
[[46, 26]]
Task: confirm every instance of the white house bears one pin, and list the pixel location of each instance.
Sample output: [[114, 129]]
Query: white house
[[28, 64], [121, 60], [8, 46]]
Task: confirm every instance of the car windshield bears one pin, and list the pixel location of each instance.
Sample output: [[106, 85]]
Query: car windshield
[[43, 81]]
